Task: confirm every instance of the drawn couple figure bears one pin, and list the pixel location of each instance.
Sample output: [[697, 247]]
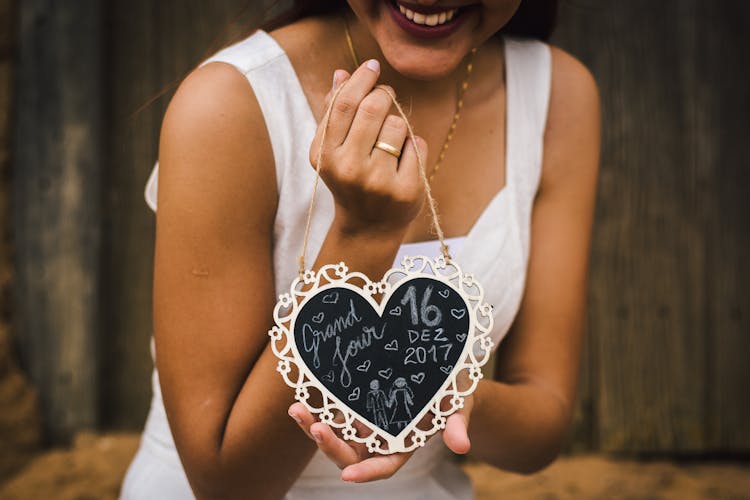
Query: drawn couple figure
[[400, 400]]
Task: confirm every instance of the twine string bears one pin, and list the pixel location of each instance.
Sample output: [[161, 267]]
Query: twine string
[[432, 204]]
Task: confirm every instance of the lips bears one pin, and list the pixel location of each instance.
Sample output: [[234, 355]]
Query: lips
[[426, 21]]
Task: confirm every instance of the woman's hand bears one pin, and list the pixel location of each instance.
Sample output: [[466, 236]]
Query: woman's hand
[[356, 464], [375, 194], [374, 191]]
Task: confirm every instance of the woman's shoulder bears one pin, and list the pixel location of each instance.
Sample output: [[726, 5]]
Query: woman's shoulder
[[572, 78], [213, 148], [573, 118]]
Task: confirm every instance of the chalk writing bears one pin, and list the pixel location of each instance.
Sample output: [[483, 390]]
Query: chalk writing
[[311, 337], [386, 366], [353, 348]]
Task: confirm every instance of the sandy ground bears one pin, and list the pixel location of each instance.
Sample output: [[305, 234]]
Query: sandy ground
[[20, 424], [94, 466]]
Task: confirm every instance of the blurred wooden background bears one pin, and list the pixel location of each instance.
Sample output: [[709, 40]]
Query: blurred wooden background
[[668, 331]]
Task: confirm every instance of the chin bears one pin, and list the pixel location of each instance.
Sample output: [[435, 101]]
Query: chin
[[418, 70], [421, 73]]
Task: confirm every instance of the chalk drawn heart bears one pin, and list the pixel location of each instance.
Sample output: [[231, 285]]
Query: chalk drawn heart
[[391, 346], [331, 298], [364, 366], [460, 337], [393, 375]]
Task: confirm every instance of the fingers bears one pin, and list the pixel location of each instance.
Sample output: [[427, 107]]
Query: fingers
[[345, 455], [368, 122], [456, 434], [335, 448], [348, 101], [303, 417], [408, 177], [339, 77], [392, 133], [371, 469], [338, 451]]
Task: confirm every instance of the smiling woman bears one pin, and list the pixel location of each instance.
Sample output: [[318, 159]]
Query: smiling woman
[[509, 130]]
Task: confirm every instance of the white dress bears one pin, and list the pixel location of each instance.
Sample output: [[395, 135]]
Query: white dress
[[496, 251]]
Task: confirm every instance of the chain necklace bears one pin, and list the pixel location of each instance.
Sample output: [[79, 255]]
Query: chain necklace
[[459, 101]]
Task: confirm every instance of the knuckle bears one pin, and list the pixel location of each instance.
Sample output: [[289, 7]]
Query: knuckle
[[377, 185], [374, 105], [404, 198], [346, 174], [345, 104], [387, 89], [325, 155], [395, 123]]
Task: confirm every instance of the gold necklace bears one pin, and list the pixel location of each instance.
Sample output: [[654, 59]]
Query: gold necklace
[[459, 101]]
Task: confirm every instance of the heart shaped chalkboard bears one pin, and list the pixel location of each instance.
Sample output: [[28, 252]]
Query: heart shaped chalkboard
[[385, 363], [388, 367]]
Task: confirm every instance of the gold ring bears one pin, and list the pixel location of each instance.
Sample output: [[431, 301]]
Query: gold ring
[[384, 146]]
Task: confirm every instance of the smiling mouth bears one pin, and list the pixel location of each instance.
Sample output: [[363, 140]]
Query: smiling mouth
[[423, 21], [426, 17]]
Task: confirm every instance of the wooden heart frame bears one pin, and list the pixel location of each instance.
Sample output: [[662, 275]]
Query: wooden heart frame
[[476, 352]]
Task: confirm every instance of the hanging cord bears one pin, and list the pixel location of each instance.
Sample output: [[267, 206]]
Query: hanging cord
[[432, 204]]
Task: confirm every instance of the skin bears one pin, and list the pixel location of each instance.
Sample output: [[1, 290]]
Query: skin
[[213, 271]]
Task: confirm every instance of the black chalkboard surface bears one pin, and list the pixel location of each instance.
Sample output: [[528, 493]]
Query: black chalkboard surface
[[385, 367]]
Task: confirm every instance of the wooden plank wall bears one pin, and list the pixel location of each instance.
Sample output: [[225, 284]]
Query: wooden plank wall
[[151, 45], [668, 319], [668, 314], [56, 197]]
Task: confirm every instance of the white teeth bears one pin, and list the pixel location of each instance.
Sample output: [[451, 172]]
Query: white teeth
[[428, 19]]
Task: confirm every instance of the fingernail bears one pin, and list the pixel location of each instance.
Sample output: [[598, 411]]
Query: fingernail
[[334, 80], [295, 417], [373, 65], [316, 436]]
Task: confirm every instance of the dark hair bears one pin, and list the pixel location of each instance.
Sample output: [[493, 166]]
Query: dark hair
[[533, 19]]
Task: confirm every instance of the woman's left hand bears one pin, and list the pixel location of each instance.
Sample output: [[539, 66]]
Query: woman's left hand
[[356, 463]]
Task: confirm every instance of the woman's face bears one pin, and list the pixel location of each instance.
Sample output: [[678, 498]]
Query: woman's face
[[427, 39]]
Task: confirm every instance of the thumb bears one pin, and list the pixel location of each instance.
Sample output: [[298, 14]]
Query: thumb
[[456, 433]]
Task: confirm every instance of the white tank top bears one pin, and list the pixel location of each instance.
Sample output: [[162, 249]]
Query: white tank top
[[495, 250]]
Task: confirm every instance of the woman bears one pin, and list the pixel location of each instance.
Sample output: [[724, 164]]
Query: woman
[[512, 162], [400, 398]]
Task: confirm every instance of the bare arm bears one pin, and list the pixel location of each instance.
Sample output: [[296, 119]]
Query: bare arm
[[213, 291], [520, 420], [213, 278]]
